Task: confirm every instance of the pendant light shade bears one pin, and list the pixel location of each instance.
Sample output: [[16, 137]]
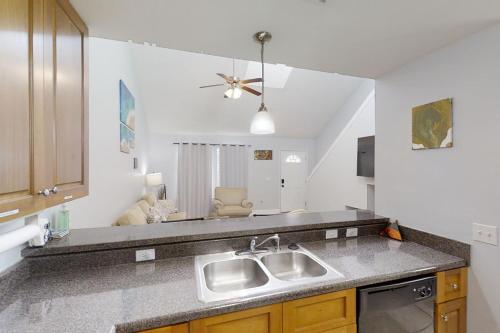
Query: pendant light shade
[[262, 122]]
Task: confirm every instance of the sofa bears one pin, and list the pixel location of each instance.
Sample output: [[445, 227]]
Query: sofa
[[137, 214], [232, 202]]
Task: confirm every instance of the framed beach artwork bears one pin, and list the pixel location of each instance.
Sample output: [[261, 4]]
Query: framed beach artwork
[[432, 125], [127, 119], [127, 107], [127, 139]]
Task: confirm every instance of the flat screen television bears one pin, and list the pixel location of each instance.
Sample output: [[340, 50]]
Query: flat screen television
[[366, 156]]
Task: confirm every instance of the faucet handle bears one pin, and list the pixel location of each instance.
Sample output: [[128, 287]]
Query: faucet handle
[[252, 243]]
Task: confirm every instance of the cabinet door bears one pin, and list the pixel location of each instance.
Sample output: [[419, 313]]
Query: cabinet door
[[65, 106], [266, 319], [451, 316], [17, 195], [451, 284], [323, 313], [181, 328]]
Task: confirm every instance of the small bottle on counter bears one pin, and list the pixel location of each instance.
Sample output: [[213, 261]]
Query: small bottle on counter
[[61, 223]]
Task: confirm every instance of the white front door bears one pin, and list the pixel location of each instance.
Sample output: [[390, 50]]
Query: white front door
[[293, 180]]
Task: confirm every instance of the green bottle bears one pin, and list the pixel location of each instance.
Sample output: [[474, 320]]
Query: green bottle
[[62, 222]]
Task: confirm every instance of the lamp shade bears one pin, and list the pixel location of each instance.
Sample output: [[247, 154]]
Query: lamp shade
[[154, 179], [262, 123]]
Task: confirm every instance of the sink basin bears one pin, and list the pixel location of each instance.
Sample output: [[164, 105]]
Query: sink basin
[[232, 275], [227, 275], [291, 266]]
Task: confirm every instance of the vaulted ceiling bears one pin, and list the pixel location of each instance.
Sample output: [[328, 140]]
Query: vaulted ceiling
[[169, 82], [354, 37]]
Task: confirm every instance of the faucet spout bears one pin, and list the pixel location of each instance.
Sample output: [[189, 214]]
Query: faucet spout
[[256, 248], [275, 238]]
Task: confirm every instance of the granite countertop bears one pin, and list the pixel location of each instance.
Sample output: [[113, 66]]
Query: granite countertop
[[95, 239], [132, 297]]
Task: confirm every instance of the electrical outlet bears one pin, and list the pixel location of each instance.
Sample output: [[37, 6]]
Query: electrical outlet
[[145, 255], [351, 232], [485, 233], [332, 233]]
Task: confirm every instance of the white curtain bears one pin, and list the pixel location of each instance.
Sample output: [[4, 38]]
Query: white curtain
[[233, 164], [195, 179]]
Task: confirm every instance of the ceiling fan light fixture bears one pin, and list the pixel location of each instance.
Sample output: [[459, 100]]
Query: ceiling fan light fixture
[[233, 92], [262, 122]]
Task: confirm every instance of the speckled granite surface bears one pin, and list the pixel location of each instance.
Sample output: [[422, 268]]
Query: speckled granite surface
[[131, 297], [95, 239]]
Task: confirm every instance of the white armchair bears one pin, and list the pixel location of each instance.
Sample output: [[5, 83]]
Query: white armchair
[[232, 201]]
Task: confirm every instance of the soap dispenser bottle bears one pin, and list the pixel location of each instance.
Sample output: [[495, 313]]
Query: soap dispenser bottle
[[62, 223]]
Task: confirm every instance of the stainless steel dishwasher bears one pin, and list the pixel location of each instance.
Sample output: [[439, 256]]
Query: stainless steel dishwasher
[[401, 307]]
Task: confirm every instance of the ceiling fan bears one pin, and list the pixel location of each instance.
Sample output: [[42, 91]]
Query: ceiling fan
[[235, 85]]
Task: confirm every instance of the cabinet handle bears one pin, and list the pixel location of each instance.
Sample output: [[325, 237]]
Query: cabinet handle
[[444, 317], [454, 286], [9, 212], [54, 190], [45, 192]]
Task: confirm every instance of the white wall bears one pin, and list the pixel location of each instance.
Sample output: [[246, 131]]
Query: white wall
[[114, 185], [341, 118], [263, 176], [443, 191], [333, 183]]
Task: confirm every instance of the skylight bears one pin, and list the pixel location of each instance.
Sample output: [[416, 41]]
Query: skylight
[[276, 75]]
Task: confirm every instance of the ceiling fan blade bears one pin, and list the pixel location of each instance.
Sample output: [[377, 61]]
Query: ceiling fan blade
[[228, 79], [250, 90], [213, 85], [251, 80]]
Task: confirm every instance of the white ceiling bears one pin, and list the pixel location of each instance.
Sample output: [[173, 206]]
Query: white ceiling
[[361, 38], [169, 80]]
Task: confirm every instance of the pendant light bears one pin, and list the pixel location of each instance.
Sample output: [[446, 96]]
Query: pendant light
[[262, 122]]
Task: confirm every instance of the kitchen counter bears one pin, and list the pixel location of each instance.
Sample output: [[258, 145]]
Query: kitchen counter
[[132, 297], [97, 239]]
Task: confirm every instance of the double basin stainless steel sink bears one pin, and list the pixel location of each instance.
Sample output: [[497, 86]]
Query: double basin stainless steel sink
[[225, 276]]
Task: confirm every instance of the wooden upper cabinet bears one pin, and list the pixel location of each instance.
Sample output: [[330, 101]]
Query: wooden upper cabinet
[[68, 87], [16, 178], [43, 105]]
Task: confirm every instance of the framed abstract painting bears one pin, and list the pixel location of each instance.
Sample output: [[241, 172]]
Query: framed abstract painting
[[432, 125]]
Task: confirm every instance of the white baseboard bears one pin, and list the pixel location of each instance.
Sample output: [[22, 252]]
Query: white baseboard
[[266, 211]]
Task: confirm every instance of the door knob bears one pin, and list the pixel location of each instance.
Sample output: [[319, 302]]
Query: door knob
[[444, 317], [454, 286], [45, 192], [54, 190]]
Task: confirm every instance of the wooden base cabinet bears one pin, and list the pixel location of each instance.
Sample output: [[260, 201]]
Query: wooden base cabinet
[[451, 302], [328, 313], [451, 316], [180, 328], [333, 312], [266, 319]]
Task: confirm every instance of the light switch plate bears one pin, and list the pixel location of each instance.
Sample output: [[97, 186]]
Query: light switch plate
[[332, 233], [351, 232], [485, 233], [145, 255]]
